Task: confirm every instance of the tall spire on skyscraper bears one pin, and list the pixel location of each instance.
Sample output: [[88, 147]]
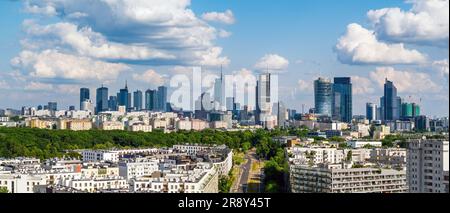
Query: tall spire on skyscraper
[[126, 84]]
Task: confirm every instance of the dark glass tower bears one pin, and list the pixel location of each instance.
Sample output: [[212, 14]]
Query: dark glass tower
[[123, 98], [84, 95], [162, 98], [112, 103], [323, 96], [137, 100], [102, 99], [342, 99], [391, 102], [150, 100]]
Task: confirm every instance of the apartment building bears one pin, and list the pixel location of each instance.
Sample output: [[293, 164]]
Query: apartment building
[[337, 179], [21, 183], [427, 166], [93, 185], [139, 167]]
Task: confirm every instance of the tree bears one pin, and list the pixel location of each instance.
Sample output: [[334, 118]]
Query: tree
[[349, 155], [3, 189]]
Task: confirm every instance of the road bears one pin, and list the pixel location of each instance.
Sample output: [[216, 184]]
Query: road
[[245, 173]]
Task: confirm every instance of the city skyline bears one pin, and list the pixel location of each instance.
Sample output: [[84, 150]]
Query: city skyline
[[229, 36]]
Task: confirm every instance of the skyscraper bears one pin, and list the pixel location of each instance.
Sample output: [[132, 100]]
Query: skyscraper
[[219, 93], [102, 99], [390, 102], [162, 98], [112, 103], [122, 97], [151, 100], [410, 110], [323, 96], [342, 99], [263, 97], [137, 100], [84, 95], [371, 111], [52, 106]]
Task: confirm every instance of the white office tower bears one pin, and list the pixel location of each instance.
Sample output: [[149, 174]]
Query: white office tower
[[428, 166]]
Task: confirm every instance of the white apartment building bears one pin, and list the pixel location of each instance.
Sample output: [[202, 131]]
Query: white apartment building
[[138, 168], [199, 180], [316, 155], [427, 166], [21, 183], [191, 149], [184, 125], [335, 179], [361, 144], [100, 155], [392, 156], [96, 184], [111, 125], [140, 127]]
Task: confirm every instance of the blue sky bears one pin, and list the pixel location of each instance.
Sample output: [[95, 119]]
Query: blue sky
[[304, 33]]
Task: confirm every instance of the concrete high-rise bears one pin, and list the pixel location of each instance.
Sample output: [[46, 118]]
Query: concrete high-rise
[[84, 95], [323, 97], [427, 167], [101, 99], [342, 99]]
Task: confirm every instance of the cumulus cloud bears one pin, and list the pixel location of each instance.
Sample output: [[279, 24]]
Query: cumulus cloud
[[305, 86], [151, 77], [226, 17], [405, 81], [53, 64], [272, 62], [167, 27], [360, 46], [88, 43], [427, 22], [442, 67], [4, 84], [362, 85]]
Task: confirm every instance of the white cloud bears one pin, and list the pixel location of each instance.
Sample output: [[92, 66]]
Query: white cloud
[[38, 86], [442, 67], [360, 46], [224, 34], [53, 64], [151, 77], [305, 86], [427, 22], [226, 17], [405, 81], [47, 10], [86, 42], [272, 62], [155, 29], [362, 85]]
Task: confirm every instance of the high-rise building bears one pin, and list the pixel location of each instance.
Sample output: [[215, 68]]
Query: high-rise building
[[281, 115], [263, 98], [230, 103], [427, 166], [151, 100], [71, 108], [422, 123], [52, 106], [137, 100], [87, 105], [323, 96], [390, 102], [342, 99], [162, 98], [112, 103], [102, 99], [219, 93], [371, 111], [84, 95], [410, 110], [122, 96]]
